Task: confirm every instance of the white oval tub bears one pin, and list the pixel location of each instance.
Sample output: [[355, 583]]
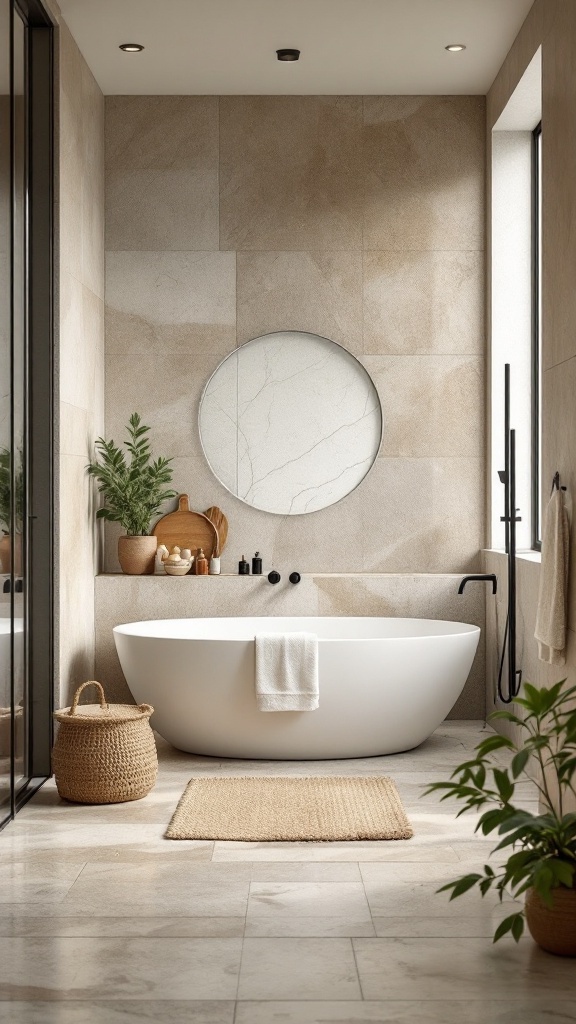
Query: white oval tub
[[385, 684]]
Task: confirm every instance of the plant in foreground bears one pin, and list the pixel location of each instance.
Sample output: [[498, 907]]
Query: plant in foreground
[[541, 847]]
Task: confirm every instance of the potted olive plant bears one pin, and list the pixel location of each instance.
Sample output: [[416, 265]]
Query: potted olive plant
[[540, 848], [11, 518], [134, 491]]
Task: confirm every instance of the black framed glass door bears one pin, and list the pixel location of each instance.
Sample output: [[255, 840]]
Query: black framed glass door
[[26, 387]]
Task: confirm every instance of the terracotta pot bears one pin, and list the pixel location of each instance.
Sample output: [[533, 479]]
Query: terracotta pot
[[137, 555], [553, 928], [6, 554]]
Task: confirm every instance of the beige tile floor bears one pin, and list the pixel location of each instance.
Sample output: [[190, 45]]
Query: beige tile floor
[[103, 921]]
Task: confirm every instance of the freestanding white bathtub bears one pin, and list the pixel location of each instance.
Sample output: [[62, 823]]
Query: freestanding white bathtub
[[385, 684]]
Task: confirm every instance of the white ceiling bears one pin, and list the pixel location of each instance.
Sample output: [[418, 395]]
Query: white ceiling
[[348, 46]]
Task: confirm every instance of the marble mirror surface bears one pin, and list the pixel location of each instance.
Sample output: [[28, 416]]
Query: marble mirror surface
[[290, 422]]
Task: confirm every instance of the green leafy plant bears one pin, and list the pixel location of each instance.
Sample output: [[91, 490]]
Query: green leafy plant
[[134, 490], [6, 492], [541, 847]]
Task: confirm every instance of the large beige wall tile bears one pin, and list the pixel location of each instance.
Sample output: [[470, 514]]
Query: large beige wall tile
[[424, 172], [559, 451], [171, 302], [432, 405], [81, 341], [162, 172], [423, 302], [77, 553], [80, 359], [319, 292], [423, 515], [165, 389], [290, 171], [92, 183], [559, 190]]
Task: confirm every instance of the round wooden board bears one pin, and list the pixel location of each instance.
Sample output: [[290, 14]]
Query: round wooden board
[[187, 529], [216, 516]]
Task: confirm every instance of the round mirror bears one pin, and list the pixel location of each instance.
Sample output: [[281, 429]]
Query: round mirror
[[290, 423]]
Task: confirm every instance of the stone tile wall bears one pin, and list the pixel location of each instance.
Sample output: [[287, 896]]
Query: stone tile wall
[[80, 202], [360, 219]]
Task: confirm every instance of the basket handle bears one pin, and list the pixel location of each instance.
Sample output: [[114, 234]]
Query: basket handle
[[91, 682]]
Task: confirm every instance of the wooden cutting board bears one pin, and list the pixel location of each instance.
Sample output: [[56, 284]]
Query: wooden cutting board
[[187, 529], [216, 516]]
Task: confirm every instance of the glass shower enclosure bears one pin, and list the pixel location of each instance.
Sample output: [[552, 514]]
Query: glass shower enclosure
[[25, 271]]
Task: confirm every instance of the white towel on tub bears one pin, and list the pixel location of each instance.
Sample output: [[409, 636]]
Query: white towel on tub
[[287, 671]]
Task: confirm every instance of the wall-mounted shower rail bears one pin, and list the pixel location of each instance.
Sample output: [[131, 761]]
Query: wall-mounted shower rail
[[508, 478]]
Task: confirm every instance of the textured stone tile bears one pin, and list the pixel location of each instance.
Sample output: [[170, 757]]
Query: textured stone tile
[[170, 896], [316, 292], [290, 168], [81, 316], [298, 968], [432, 406], [424, 172], [461, 969], [165, 393], [274, 872], [92, 223], [558, 441], [422, 302], [307, 899], [423, 515], [559, 199], [122, 968], [16, 926], [171, 302], [126, 1011], [162, 172], [404, 1011], [283, 926]]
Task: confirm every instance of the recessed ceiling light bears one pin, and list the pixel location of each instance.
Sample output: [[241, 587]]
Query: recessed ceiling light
[[455, 47], [288, 54], [131, 47]]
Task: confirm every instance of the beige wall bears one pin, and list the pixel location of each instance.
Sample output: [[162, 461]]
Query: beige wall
[[360, 219], [80, 199], [551, 24]]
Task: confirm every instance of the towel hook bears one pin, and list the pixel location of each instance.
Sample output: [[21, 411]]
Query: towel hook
[[556, 483]]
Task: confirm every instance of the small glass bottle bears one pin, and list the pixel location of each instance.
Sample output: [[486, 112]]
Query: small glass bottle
[[201, 563], [215, 565]]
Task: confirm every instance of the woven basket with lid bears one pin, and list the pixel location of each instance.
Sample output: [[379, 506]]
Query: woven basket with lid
[[104, 753]]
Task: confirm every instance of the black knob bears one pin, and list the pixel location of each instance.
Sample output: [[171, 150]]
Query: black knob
[[274, 577], [294, 577]]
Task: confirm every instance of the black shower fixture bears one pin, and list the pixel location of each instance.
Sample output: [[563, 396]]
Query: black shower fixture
[[288, 54]]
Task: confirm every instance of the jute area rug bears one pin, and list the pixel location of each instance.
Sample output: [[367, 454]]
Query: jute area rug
[[290, 809]]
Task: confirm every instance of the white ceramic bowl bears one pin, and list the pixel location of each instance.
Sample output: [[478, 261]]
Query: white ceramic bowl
[[178, 570]]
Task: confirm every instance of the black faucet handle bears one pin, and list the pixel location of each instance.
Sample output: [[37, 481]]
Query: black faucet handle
[[294, 577], [274, 577]]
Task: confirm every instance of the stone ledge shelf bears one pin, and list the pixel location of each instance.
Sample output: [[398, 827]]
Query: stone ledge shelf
[[120, 598]]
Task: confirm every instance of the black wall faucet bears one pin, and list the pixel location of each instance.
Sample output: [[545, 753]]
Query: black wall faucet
[[486, 577]]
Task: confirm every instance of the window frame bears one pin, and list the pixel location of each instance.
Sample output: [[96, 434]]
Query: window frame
[[536, 399]]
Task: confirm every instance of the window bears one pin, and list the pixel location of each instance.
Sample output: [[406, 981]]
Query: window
[[536, 335]]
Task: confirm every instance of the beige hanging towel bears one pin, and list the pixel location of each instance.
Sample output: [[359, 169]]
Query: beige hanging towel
[[551, 616]]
